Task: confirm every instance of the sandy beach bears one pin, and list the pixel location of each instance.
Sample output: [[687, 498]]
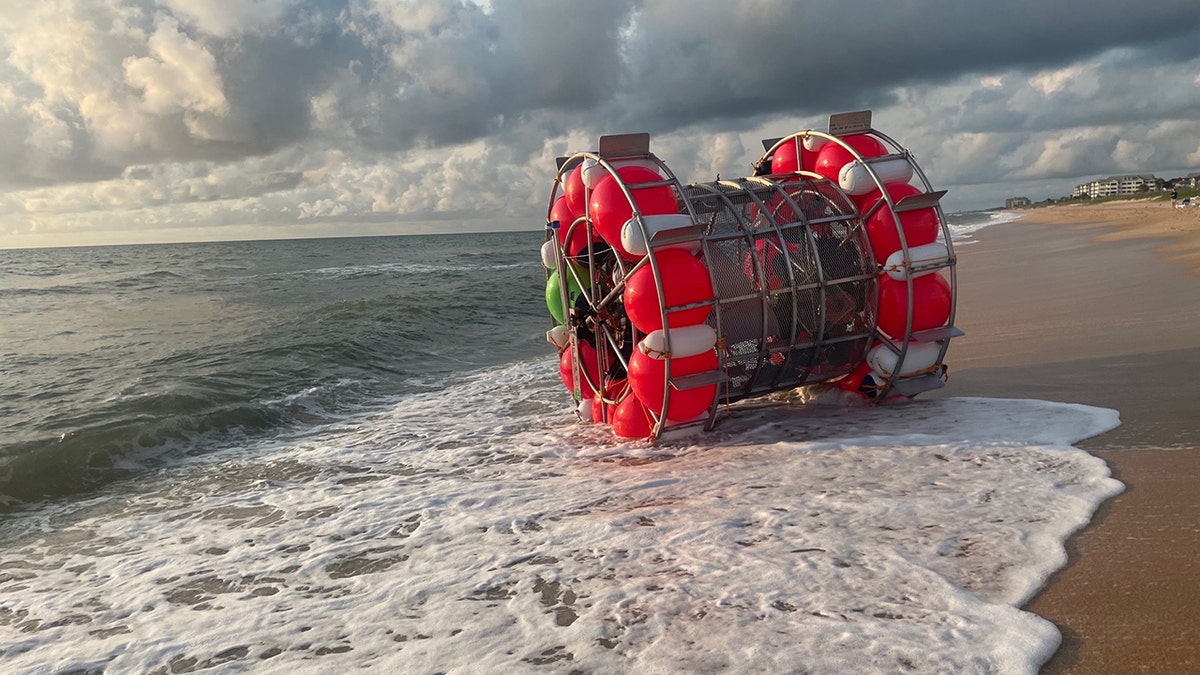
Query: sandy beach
[[1101, 305], [1176, 231]]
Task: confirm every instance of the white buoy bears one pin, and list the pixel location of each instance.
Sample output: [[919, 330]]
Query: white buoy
[[686, 341], [585, 410], [814, 143], [634, 241], [898, 268], [559, 336], [855, 176], [549, 255], [920, 356], [592, 171]]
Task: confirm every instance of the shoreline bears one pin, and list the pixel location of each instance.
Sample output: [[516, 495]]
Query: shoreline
[[1076, 304]]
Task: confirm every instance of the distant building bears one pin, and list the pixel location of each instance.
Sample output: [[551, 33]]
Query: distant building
[[1017, 202], [1118, 185], [1191, 180]]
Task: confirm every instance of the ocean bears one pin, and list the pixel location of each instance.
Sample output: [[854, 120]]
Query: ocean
[[320, 455]]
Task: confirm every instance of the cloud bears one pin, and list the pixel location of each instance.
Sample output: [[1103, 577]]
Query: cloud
[[228, 18], [180, 75], [139, 113], [738, 59], [1053, 81]]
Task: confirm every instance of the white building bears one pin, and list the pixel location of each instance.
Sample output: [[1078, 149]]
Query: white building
[[1118, 185]]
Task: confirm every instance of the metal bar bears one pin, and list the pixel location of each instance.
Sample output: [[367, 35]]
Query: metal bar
[[886, 158], [937, 334], [678, 235], [697, 380], [921, 201], [921, 383]]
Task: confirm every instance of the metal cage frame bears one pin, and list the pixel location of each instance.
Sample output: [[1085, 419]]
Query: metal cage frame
[[732, 216]]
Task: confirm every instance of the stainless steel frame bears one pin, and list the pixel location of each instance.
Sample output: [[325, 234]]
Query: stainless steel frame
[[796, 286]]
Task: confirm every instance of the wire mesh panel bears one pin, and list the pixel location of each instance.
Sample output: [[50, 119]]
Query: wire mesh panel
[[794, 280]]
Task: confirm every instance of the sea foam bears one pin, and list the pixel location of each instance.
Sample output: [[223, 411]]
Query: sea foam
[[478, 528]]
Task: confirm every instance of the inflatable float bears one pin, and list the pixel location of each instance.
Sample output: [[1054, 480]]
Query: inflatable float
[[831, 264]]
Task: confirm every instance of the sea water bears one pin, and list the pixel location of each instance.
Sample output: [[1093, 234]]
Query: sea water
[[323, 455], [963, 224]]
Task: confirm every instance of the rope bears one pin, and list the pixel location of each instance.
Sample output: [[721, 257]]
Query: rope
[[653, 353], [924, 371]]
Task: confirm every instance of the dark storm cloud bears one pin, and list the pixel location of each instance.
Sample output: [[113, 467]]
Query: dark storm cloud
[[739, 59]]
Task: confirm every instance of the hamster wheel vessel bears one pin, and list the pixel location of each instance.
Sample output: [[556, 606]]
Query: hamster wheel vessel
[[832, 263]]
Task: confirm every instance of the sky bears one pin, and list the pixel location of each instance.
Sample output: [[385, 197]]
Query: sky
[[126, 121]]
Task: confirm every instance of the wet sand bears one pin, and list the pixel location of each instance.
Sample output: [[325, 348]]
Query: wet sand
[[1080, 306]]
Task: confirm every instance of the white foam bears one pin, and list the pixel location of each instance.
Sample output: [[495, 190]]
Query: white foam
[[478, 529], [403, 268], [963, 225]]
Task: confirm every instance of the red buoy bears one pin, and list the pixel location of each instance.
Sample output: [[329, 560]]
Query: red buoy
[[590, 364], [575, 192], [613, 392], [685, 281], [931, 303], [631, 419], [609, 208], [784, 159], [861, 381], [920, 226], [647, 377], [561, 211], [833, 156]]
